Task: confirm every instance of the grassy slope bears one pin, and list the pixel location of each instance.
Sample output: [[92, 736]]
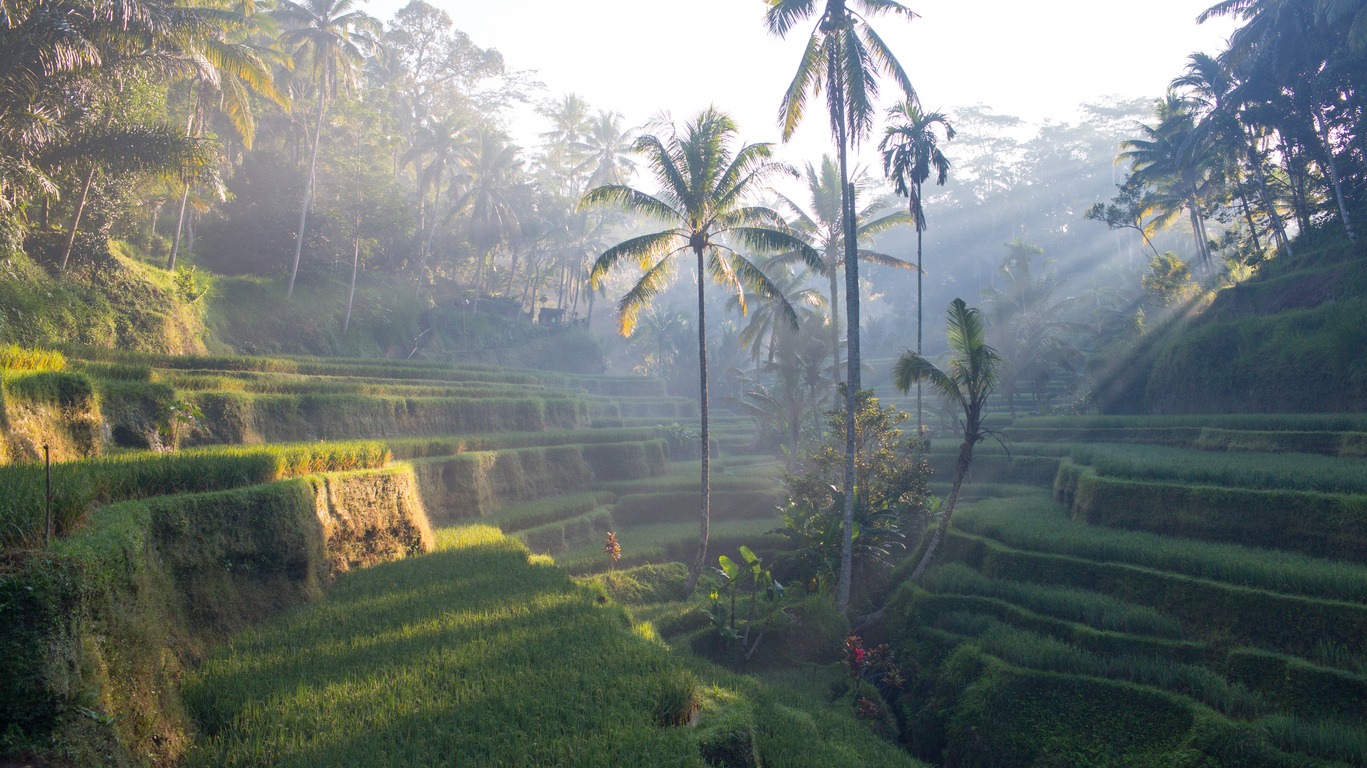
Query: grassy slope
[[1290, 340], [479, 655]]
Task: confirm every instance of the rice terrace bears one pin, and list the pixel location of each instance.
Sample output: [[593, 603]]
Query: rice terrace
[[734, 383]]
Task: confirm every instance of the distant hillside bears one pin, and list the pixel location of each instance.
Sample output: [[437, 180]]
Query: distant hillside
[[1293, 340]]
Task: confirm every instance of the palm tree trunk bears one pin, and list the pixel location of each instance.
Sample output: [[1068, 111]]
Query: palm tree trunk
[[920, 414], [842, 597], [1332, 167], [705, 519], [308, 192], [180, 225], [355, 267], [1248, 215], [76, 217], [835, 323], [960, 472], [1255, 158]]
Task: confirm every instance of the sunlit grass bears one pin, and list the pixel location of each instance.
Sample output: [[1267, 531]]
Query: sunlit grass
[[468, 656]]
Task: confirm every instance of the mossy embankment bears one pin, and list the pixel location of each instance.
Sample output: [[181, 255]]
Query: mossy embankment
[[102, 624]]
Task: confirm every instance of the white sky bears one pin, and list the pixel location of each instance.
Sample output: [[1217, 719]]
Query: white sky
[[1036, 60]]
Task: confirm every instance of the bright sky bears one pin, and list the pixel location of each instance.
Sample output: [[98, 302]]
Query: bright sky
[[1036, 60]]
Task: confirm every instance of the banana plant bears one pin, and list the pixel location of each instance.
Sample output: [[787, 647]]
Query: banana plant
[[751, 579]]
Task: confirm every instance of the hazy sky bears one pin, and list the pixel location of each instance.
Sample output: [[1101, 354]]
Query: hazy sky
[[1036, 60]]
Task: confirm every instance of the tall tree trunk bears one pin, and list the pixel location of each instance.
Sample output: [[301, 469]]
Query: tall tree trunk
[[842, 596], [308, 192], [479, 281], [920, 414], [1255, 159], [834, 274], [1248, 215], [1328, 148], [76, 217], [180, 225], [705, 520], [185, 194], [355, 267]]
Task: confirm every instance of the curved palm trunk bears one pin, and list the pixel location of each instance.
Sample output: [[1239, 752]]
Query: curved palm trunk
[[1255, 158], [308, 193], [961, 466], [705, 519]]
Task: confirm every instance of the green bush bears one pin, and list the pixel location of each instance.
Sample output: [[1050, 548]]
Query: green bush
[[642, 584]]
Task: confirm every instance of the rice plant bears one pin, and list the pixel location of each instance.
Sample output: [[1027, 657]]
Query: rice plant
[[1037, 523], [1090, 608]]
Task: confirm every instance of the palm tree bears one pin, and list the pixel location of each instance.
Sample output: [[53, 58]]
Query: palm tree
[[489, 174], [820, 224], [966, 382], [332, 39], [607, 146], [843, 55], [1176, 166], [439, 142], [704, 185], [228, 73], [911, 151]]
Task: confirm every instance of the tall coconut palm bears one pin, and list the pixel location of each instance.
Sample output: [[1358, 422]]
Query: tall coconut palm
[[844, 55], [607, 146], [911, 151], [490, 172], [966, 382], [438, 143], [330, 39], [820, 223], [1176, 166], [704, 184]]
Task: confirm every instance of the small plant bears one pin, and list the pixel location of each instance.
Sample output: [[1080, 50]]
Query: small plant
[[613, 548], [187, 288], [173, 419], [752, 581], [875, 666]]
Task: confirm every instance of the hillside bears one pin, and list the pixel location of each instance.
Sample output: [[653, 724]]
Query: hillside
[[1289, 340]]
